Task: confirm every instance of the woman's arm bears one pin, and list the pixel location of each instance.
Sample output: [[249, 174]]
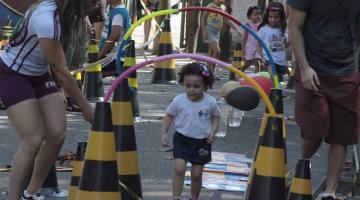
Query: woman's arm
[[113, 37], [54, 53], [165, 128]]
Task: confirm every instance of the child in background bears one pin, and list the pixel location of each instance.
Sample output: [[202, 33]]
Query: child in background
[[249, 43], [211, 24], [272, 31], [117, 23], [196, 115]]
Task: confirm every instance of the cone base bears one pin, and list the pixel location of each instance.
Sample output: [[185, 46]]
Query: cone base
[[164, 76]]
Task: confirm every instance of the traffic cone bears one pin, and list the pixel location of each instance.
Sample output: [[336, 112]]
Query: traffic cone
[[99, 178], [238, 61], [165, 71], [6, 33], [301, 188], [267, 180], [78, 79], [130, 60], [93, 85], [78, 165], [50, 185], [126, 152]]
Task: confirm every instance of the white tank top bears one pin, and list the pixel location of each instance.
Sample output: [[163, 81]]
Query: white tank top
[[23, 53]]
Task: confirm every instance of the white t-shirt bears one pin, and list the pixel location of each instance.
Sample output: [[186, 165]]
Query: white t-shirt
[[275, 42], [193, 119], [26, 56]]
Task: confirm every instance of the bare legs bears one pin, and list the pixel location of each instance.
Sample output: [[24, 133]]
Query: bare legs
[[40, 125], [336, 158], [178, 179], [214, 52]]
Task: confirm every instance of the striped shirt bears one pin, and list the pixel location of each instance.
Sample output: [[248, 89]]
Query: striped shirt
[[24, 54]]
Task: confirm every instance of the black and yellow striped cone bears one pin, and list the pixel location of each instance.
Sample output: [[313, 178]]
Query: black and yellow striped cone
[[130, 60], [78, 165], [238, 60], [267, 180], [99, 180], [165, 71], [126, 152], [93, 84], [301, 188], [5, 36], [50, 184], [78, 79]]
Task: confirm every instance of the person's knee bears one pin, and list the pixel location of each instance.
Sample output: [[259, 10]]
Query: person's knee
[[55, 135], [196, 177], [179, 171], [32, 144]]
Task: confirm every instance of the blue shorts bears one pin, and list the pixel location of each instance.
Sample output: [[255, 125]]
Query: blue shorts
[[195, 151], [213, 34]]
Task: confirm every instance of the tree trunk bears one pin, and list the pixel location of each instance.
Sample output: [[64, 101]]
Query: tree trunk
[[192, 26], [225, 35], [164, 5]]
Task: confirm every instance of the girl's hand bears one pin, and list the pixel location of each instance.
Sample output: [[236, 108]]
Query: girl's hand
[[211, 138], [164, 140], [309, 79]]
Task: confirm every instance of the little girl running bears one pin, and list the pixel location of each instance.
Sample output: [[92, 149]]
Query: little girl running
[[249, 43], [273, 31], [196, 115]]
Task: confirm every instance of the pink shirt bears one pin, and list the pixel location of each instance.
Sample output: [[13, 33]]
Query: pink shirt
[[251, 42]]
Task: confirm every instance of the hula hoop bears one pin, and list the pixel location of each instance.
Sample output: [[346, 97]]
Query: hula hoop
[[199, 8], [227, 66]]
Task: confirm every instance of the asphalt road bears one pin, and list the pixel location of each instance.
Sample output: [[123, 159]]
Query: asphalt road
[[155, 166]]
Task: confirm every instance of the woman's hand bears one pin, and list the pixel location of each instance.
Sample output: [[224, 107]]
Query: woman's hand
[[89, 114]]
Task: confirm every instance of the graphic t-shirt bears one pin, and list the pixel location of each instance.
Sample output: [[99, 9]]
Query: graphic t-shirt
[[213, 19], [274, 40]]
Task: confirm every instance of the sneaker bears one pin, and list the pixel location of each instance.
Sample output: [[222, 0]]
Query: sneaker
[[26, 196], [71, 106]]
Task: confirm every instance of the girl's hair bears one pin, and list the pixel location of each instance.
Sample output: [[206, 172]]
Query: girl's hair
[[72, 14], [198, 69], [251, 10], [275, 6]]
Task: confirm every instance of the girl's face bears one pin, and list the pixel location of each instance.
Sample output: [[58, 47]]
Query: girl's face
[[219, 2], [255, 16], [274, 18], [194, 87]]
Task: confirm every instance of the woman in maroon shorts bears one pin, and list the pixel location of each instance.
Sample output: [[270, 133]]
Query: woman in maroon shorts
[[34, 105]]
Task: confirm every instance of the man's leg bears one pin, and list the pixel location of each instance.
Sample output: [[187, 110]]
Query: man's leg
[[337, 155], [309, 147]]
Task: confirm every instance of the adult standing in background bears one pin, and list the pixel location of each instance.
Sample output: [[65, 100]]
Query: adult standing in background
[[35, 107], [325, 39]]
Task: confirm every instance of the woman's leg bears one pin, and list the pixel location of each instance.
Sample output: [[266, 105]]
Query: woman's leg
[[54, 117], [215, 52], [196, 180], [178, 179], [26, 118]]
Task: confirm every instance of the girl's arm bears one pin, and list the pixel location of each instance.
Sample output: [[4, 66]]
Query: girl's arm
[[113, 37], [55, 55], [214, 127], [233, 26], [165, 128]]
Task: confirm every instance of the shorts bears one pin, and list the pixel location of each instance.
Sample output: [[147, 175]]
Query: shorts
[[195, 151], [332, 113], [16, 87], [251, 54], [213, 35]]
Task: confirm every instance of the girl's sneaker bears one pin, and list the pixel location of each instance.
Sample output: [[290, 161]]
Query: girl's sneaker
[[26, 196]]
